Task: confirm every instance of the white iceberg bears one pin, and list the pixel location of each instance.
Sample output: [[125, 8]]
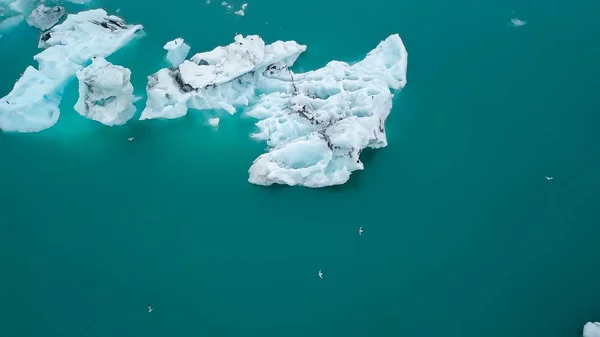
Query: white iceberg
[[591, 329], [44, 17], [317, 123], [177, 51], [213, 121], [32, 105], [207, 81], [105, 93]]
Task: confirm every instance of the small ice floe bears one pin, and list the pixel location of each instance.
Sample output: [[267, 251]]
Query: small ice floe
[[240, 12], [360, 231], [130, 139], [213, 121], [244, 6], [549, 178], [515, 22], [150, 308], [320, 274]]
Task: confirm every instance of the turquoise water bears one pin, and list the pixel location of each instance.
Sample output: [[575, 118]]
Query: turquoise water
[[463, 235]]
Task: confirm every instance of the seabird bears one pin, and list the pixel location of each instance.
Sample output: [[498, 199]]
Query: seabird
[[320, 273], [150, 308], [360, 231], [130, 138], [549, 178]]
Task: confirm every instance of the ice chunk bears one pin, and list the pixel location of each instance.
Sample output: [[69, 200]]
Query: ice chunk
[[213, 121], [105, 93], [79, 2], [591, 329], [206, 82], [515, 22], [7, 25], [244, 6], [177, 51], [325, 118], [240, 12], [45, 17], [32, 105]]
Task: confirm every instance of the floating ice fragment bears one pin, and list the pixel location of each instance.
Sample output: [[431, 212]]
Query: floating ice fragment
[[105, 93], [213, 121], [240, 12], [32, 105], [517, 22], [44, 17], [7, 25], [177, 51], [591, 329]]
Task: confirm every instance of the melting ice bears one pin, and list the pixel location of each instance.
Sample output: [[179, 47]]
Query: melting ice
[[316, 123]]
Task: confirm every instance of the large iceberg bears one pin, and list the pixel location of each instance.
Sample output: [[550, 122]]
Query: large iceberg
[[316, 123], [44, 17], [177, 51], [105, 93], [33, 103], [591, 329]]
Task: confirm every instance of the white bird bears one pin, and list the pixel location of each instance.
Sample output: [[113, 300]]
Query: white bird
[[360, 231], [549, 178], [320, 273], [150, 308], [130, 138]]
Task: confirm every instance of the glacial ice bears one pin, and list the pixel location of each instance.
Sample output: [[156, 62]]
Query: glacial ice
[[33, 103], [207, 80], [239, 12], [591, 329], [316, 123], [44, 17], [177, 51], [105, 93]]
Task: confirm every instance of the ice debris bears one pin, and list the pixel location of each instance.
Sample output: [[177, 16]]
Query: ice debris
[[177, 51], [213, 121], [33, 103], [316, 123], [239, 12], [44, 17], [105, 93], [591, 329], [517, 22]]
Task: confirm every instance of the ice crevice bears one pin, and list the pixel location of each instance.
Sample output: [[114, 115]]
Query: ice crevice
[[315, 123]]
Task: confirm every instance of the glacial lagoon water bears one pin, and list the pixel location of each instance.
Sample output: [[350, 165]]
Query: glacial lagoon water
[[463, 236]]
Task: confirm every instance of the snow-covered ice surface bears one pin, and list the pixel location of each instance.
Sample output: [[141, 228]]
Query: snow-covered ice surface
[[105, 93], [177, 51], [32, 105], [591, 329], [44, 17], [316, 123]]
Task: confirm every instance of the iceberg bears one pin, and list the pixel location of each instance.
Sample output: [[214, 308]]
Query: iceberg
[[32, 105], [105, 93], [44, 17], [591, 329], [316, 123], [7, 25], [177, 51], [214, 79]]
